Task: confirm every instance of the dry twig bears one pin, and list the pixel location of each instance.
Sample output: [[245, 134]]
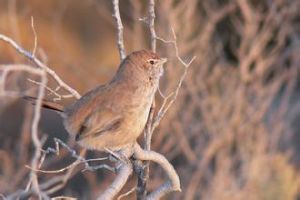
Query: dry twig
[[40, 64]]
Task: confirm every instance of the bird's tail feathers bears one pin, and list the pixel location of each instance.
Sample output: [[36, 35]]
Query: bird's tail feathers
[[46, 104]]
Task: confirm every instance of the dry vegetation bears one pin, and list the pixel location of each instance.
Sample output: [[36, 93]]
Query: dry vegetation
[[233, 130]]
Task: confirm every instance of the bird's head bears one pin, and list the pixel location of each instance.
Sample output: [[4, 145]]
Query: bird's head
[[145, 63]]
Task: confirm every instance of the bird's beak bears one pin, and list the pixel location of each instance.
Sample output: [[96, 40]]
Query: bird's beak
[[163, 60]]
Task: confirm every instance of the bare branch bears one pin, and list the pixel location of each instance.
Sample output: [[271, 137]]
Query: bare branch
[[172, 185], [143, 174], [6, 69], [124, 168], [167, 104], [40, 64], [57, 97], [34, 134], [56, 183], [174, 43], [34, 127], [120, 40]]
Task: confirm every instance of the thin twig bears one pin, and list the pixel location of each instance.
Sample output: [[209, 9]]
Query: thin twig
[[74, 155], [167, 104], [34, 134], [58, 182], [57, 97], [35, 37], [77, 162], [40, 64]]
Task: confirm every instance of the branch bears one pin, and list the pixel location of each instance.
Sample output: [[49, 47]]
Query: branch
[[168, 100], [151, 18], [120, 40], [143, 169], [54, 92], [172, 185], [33, 182], [167, 104], [124, 168], [40, 64], [34, 132], [79, 159]]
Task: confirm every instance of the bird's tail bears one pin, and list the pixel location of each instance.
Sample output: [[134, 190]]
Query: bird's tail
[[46, 104]]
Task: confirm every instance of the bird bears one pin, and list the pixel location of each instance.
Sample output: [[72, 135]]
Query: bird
[[113, 115]]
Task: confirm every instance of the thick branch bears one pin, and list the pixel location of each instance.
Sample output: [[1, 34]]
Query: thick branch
[[124, 172], [172, 185], [124, 168]]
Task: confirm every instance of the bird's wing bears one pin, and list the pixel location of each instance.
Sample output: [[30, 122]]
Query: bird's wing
[[102, 121]]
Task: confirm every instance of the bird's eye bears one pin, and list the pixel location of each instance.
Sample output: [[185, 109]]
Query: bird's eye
[[151, 62]]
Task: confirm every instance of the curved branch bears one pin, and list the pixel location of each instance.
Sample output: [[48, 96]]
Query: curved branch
[[124, 171], [172, 185]]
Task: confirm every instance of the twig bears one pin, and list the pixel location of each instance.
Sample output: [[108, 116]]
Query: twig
[[174, 42], [35, 37], [77, 162], [16, 67], [120, 39], [167, 104], [74, 155], [57, 97], [58, 182], [40, 64], [34, 133]]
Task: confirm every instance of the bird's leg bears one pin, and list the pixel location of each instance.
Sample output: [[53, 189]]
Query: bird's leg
[[173, 184]]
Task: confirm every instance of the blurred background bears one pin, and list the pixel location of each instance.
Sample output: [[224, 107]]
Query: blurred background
[[233, 132]]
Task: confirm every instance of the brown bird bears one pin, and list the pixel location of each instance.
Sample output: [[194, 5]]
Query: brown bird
[[114, 115]]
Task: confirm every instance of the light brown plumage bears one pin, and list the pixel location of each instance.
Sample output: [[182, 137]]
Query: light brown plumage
[[114, 115]]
